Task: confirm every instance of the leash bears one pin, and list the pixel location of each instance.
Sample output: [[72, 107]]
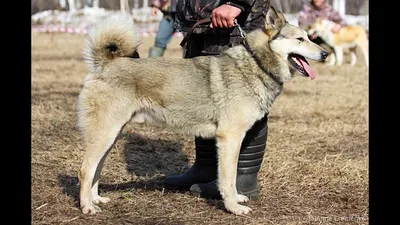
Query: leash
[[203, 21], [187, 36]]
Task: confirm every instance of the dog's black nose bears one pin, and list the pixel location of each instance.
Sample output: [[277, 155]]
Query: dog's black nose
[[324, 54]]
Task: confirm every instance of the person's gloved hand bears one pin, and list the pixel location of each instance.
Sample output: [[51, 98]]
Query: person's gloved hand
[[313, 36]]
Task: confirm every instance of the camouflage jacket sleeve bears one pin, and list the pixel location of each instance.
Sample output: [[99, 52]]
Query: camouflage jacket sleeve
[[334, 16], [306, 17], [242, 4]]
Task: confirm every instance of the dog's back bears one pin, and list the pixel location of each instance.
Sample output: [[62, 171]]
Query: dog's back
[[351, 35]]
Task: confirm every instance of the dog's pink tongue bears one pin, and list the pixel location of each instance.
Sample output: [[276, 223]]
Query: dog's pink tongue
[[307, 68]]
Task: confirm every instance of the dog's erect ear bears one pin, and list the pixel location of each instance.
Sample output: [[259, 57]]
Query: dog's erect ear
[[274, 21], [281, 16]]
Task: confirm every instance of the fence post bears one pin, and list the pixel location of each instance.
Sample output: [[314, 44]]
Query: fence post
[[145, 3], [135, 4], [96, 4], [63, 3], [340, 6], [72, 6], [122, 5]]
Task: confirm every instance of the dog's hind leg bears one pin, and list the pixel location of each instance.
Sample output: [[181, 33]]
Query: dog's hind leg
[[363, 45], [90, 172], [332, 59], [339, 55], [101, 122], [96, 198], [353, 56]]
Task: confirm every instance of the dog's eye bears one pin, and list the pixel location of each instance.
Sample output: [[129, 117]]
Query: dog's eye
[[300, 39]]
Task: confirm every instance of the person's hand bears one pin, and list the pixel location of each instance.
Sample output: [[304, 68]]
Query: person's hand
[[336, 27], [313, 36], [154, 11], [224, 16]]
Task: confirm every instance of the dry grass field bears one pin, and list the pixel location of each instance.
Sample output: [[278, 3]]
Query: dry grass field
[[315, 170]]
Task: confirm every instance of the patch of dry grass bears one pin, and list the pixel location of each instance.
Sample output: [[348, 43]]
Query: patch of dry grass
[[315, 170]]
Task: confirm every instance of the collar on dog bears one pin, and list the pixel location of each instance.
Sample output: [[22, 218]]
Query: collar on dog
[[253, 54]]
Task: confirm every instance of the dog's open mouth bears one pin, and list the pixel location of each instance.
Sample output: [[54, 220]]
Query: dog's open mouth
[[301, 65]]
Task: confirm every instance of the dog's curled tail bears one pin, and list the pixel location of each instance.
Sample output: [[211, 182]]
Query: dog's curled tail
[[112, 37]]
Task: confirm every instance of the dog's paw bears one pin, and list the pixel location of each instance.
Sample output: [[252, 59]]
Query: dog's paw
[[91, 209], [98, 199], [238, 209], [241, 198]]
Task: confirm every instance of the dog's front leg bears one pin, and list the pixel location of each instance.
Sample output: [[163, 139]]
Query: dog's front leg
[[332, 59], [339, 55], [353, 56], [228, 143]]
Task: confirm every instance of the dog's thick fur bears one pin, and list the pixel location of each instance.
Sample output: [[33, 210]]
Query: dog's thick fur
[[348, 37], [209, 96]]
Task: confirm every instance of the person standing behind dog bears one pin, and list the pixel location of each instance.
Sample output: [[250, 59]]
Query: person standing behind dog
[[166, 27], [211, 38], [314, 9]]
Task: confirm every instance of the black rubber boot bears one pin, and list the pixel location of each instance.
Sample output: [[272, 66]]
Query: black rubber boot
[[250, 160], [203, 170]]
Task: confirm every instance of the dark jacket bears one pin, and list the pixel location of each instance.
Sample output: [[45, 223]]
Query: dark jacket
[[207, 41], [190, 11]]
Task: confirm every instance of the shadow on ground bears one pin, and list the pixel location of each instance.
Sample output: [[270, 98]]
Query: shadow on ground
[[150, 160]]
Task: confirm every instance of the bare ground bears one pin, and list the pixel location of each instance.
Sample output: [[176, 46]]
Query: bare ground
[[315, 170]]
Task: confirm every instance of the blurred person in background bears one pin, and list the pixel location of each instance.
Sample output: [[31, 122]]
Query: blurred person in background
[[166, 27], [314, 9]]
